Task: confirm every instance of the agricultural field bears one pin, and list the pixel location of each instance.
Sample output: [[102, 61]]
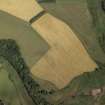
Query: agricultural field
[[32, 45], [26, 12], [62, 61], [76, 14], [80, 18]]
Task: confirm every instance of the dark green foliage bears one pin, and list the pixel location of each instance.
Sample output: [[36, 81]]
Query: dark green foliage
[[10, 51], [84, 84]]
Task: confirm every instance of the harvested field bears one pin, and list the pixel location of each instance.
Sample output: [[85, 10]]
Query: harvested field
[[28, 8], [67, 56], [62, 62], [75, 13]]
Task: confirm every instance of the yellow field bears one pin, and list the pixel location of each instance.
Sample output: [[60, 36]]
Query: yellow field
[[66, 58], [24, 9]]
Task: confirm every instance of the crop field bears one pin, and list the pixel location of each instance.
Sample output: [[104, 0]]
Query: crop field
[[31, 44], [62, 61], [76, 14], [61, 47]]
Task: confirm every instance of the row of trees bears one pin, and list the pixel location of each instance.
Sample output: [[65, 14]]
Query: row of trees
[[10, 51]]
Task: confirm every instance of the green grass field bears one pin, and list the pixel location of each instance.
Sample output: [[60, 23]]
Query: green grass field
[[87, 21], [12, 91], [35, 88], [77, 15], [98, 17], [32, 45]]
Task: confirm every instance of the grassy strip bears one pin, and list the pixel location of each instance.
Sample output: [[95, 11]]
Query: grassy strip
[[97, 11], [10, 51]]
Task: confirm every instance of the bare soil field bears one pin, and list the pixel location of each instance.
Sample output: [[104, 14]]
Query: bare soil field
[[11, 83]]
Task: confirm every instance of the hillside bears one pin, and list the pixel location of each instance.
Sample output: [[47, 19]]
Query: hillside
[[70, 50], [63, 58], [32, 45], [9, 50], [11, 83], [76, 14]]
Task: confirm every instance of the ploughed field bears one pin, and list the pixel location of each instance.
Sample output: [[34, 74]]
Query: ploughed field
[[63, 64]]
